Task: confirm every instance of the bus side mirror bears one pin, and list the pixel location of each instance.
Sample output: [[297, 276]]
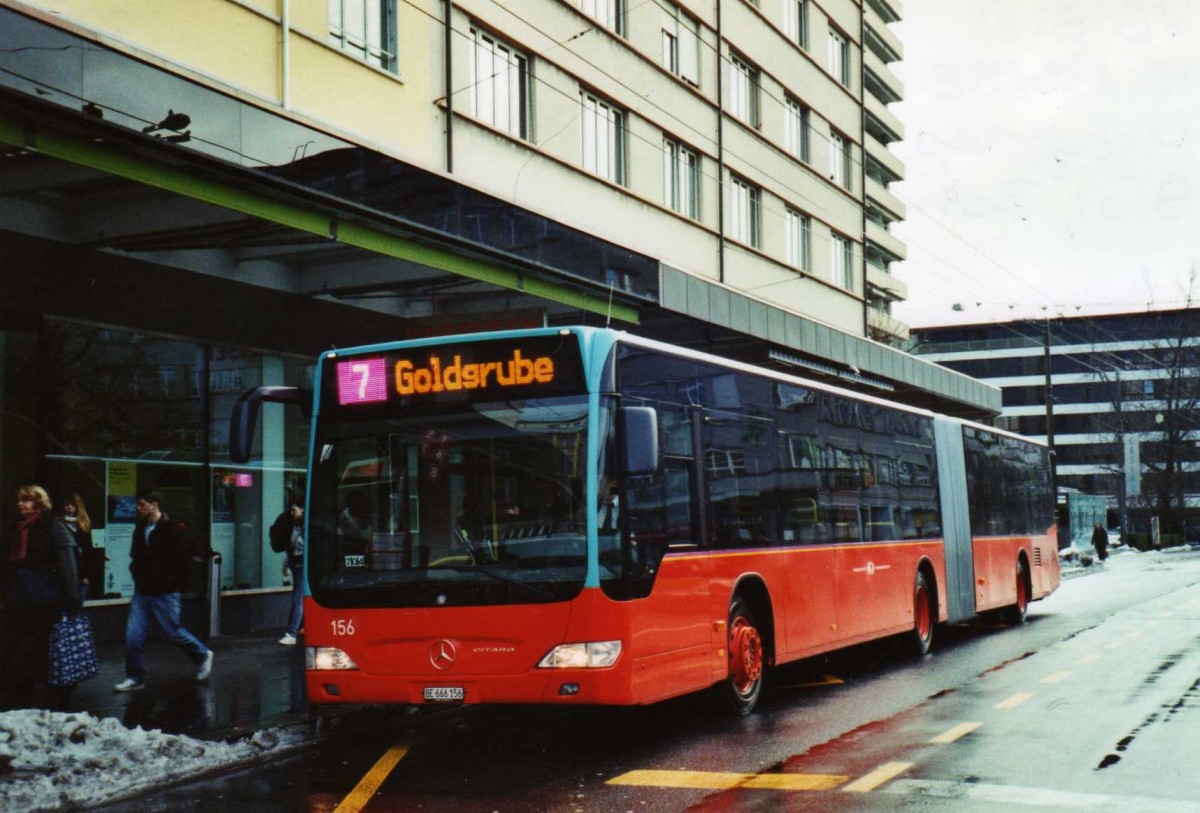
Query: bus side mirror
[[245, 415], [639, 429]]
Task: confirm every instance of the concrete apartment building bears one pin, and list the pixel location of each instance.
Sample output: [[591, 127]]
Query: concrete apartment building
[[195, 198]]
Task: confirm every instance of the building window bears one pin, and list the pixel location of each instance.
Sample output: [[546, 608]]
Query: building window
[[501, 83], [842, 258], [366, 29], [609, 13], [743, 91], [839, 159], [795, 129], [603, 138], [799, 240], [744, 213], [681, 179], [839, 57], [681, 48], [795, 21], [719, 462]]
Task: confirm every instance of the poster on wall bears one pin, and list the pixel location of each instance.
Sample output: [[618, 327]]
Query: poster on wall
[[223, 543], [118, 537], [223, 496], [122, 491]]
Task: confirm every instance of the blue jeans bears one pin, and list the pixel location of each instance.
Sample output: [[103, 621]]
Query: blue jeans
[[296, 618], [164, 610]]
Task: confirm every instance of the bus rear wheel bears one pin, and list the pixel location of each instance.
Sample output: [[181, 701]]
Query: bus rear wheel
[[920, 640], [740, 691], [1014, 614]]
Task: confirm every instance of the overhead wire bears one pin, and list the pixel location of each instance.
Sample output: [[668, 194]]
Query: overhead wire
[[673, 10], [723, 61]]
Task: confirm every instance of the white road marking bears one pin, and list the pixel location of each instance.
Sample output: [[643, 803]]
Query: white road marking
[[1014, 701], [884, 773], [959, 731]]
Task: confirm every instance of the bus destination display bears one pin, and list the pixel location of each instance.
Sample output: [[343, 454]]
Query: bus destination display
[[526, 368]]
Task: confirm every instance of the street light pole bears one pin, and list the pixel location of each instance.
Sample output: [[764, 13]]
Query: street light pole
[[1050, 410], [1122, 497]]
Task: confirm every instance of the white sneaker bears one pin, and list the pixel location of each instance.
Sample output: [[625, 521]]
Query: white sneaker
[[129, 685], [206, 667], [288, 639]]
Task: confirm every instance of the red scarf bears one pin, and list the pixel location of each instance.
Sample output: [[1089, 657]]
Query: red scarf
[[20, 545]]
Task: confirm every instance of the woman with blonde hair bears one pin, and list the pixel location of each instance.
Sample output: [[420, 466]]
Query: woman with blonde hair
[[40, 580], [91, 558]]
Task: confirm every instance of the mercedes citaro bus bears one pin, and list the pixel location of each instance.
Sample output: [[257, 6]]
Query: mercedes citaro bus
[[458, 550]]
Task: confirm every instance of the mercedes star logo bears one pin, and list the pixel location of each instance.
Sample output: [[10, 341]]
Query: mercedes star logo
[[442, 654]]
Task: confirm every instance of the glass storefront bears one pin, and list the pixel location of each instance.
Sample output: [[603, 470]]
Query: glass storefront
[[104, 413]]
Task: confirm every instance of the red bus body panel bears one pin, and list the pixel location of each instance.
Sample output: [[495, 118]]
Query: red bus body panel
[[995, 568], [823, 597]]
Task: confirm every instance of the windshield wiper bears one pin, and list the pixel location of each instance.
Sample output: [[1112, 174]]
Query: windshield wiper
[[500, 577]]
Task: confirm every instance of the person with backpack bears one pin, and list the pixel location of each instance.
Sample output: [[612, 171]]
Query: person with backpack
[[287, 537]]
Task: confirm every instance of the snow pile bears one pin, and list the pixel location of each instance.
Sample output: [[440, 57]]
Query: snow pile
[[57, 760]]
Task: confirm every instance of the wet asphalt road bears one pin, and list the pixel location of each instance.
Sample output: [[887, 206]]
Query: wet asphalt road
[[1094, 704]]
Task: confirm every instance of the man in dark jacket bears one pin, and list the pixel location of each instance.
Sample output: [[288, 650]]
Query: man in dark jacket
[[159, 564]]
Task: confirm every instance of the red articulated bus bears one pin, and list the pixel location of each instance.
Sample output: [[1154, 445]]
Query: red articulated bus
[[582, 516]]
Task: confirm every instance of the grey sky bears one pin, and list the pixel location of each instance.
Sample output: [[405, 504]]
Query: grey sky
[[1053, 156]]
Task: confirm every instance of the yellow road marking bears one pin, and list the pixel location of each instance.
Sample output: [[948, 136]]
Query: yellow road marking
[[1056, 677], [1134, 634], [884, 773], [959, 731], [709, 780], [366, 787], [827, 680], [713, 780], [796, 781], [1114, 645], [1084, 661], [1014, 701]]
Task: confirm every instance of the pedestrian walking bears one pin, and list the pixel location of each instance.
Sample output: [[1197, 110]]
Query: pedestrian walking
[[40, 583], [1100, 541], [287, 537], [159, 563], [91, 558]]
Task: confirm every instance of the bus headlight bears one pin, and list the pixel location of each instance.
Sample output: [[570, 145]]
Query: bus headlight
[[323, 658], [594, 655]]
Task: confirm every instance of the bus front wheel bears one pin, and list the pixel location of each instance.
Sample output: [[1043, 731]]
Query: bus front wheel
[[739, 692]]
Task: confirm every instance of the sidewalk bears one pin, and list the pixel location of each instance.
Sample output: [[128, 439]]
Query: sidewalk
[[256, 683]]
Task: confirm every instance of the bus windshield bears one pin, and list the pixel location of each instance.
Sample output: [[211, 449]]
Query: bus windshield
[[481, 503]]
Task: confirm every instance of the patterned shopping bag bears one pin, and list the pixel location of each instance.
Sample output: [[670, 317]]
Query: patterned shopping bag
[[72, 651]]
